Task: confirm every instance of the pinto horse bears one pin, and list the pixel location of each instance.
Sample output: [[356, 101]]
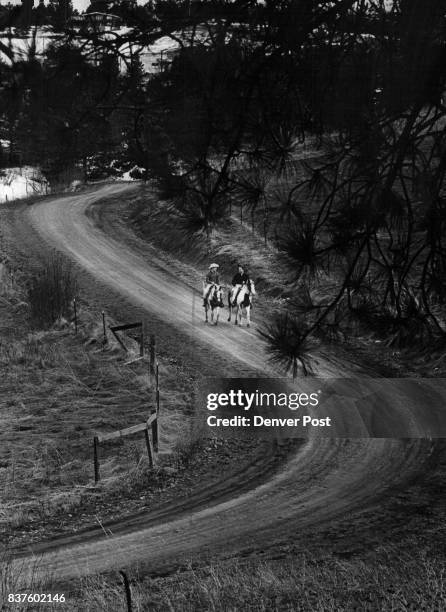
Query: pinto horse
[[242, 294], [214, 302]]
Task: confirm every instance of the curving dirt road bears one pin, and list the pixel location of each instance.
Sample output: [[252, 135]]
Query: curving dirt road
[[325, 482], [64, 225]]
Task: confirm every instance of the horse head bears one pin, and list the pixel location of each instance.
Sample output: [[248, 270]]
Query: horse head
[[251, 287], [215, 295], [218, 292]]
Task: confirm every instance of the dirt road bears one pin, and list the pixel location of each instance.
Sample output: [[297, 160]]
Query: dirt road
[[64, 225], [325, 482]]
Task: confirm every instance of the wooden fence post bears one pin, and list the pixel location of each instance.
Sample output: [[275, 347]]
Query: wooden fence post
[[157, 382], [128, 592], [96, 459], [103, 328], [149, 447], [141, 341], [155, 433], [152, 447], [152, 355], [75, 316]]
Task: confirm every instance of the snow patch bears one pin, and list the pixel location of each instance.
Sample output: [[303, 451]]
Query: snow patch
[[18, 183], [134, 174]]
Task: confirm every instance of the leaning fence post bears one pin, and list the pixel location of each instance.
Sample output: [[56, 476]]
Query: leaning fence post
[[75, 316], [128, 592], [96, 459], [155, 432]]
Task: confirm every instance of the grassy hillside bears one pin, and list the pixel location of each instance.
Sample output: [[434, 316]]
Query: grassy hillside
[[57, 391]]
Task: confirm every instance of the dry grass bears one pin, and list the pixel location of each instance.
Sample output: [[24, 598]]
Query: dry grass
[[194, 437], [57, 391], [64, 390], [303, 584], [18, 578], [390, 581], [51, 292]]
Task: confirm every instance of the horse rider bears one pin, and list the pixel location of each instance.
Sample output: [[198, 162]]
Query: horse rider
[[240, 279], [212, 278]]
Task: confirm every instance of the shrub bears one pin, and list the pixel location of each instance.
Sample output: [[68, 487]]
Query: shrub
[[51, 292], [288, 344]]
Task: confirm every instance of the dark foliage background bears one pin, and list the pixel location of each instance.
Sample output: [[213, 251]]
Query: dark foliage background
[[361, 223]]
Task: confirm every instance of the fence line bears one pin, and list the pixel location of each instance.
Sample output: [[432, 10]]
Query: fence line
[[117, 328], [152, 422]]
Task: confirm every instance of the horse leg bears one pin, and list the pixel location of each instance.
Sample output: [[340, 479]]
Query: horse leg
[[248, 318], [229, 308], [206, 312], [217, 314], [237, 314]]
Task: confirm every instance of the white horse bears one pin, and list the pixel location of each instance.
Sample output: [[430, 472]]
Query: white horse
[[244, 295], [214, 302]]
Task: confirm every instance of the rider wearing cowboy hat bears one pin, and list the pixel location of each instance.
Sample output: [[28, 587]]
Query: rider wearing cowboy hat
[[212, 278]]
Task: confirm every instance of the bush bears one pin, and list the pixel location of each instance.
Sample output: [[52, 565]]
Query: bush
[[191, 442], [51, 293]]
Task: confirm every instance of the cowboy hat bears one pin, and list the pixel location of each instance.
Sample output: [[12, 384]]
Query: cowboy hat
[[214, 265]]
